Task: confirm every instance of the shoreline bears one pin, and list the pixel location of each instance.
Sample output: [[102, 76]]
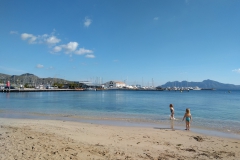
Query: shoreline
[[56, 139], [126, 122]]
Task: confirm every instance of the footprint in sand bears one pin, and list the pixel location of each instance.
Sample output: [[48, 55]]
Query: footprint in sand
[[198, 138]]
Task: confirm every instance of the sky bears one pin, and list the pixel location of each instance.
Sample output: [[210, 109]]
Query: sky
[[134, 41]]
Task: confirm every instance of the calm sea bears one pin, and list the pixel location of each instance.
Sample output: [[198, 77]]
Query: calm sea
[[218, 109]]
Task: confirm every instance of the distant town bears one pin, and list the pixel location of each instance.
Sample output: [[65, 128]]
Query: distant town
[[30, 81]]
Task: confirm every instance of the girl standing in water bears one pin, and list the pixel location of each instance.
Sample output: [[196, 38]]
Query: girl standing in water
[[188, 117], [172, 111]]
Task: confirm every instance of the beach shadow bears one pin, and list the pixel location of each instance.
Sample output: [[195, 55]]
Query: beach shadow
[[163, 128], [171, 126]]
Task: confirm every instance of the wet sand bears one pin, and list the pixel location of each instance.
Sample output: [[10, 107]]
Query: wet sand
[[49, 139]]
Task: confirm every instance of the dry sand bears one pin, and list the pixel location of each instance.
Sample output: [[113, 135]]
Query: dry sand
[[47, 139]]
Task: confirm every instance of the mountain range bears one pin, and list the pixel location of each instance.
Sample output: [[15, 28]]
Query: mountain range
[[206, 84], [35, 80], [31, 79]]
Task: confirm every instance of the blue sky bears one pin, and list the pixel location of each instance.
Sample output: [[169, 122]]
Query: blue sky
[[136, 41]]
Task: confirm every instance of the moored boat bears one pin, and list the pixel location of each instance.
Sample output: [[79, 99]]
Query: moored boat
[[196, 88]]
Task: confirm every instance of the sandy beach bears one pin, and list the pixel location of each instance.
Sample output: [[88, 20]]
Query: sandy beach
[[48, 139]]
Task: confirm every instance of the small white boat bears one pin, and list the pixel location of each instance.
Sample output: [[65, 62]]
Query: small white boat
[[91, 89], [196, 88]]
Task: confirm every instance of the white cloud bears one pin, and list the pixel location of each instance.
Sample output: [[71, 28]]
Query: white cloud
[[13, 32], [39, 66], [90, 56], [236, 70], [83, 51], [52, 40], [31, 38], [70, 47], [44, 35], [87, 22], [155, 18], [45, 38], [57, 49]]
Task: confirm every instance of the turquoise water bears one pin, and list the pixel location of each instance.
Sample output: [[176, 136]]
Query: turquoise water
[[218, 110]]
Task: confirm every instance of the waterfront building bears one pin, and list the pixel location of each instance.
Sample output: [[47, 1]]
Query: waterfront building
[[114, 84]]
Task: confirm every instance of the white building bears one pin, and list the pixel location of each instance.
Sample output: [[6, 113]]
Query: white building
[[114, 84]]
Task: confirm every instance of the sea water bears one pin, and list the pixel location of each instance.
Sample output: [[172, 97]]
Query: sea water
[[210, 109]]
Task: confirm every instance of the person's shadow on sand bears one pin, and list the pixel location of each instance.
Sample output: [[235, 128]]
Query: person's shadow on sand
[[171, 126]]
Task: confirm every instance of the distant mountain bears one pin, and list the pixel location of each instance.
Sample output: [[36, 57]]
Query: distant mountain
[[2, 76], [28, 78], [204, 84], [33, 80]]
